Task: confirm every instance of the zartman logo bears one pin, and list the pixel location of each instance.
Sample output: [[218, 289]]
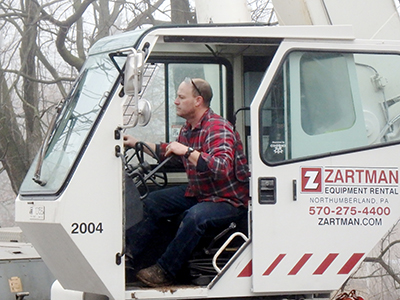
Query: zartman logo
[[311, 180]]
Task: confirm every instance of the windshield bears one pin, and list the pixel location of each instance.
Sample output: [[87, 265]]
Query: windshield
[[73, 125]]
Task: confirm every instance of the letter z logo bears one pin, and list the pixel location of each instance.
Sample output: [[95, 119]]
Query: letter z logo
[[311, 180]]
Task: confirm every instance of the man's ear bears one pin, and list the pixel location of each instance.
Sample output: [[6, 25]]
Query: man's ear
[[199, 101]]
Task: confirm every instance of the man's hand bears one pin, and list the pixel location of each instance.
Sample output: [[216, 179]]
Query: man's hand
[[130, 141], [180, 149], [176, 148]]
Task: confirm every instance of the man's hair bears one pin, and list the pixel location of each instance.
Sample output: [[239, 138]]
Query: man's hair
[[202, 86]]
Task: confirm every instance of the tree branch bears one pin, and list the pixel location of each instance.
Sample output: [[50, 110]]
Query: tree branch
[[141, 19], [64, 27], [34, 79], [12, 152], [385, 266]]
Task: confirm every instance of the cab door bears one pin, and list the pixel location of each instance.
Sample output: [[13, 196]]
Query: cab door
[[324, 163], [72, 211]]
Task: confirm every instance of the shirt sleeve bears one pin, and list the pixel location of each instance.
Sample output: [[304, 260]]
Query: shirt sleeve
[[201, 165], [174, 163], [218, 150]]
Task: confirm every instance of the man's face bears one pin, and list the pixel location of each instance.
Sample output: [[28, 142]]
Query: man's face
[[185, 101]]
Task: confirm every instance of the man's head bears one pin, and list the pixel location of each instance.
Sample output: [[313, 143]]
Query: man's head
[[193, 98], [202, 88]]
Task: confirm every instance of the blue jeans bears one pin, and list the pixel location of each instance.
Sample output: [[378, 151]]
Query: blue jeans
[[197, 218]]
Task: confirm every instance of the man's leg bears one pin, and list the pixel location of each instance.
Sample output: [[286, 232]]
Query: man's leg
[[158, 206], [196, 221]]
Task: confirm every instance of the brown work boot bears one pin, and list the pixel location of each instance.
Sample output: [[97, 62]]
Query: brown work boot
[[154, 276]]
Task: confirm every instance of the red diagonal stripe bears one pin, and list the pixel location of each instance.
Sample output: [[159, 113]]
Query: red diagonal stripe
[[247, 270], [349, 265], [274, 264], [325, 264], [300, 264]]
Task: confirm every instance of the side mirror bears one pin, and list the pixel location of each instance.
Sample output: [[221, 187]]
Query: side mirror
[[143, 115], [133, 81], [133, 77]]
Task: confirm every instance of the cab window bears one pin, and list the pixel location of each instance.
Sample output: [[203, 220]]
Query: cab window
[[160, 85], [322, 102]]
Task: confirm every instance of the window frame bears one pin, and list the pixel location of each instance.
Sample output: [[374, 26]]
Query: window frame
[[278, 62]]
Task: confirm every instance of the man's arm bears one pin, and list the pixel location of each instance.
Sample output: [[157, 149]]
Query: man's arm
[[130, 141], [180, 150], [219, 149]]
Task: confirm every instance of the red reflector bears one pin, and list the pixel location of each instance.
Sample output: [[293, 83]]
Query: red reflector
[[247, 271], [325, 264], [300, 264], [349, 265], [274, 264]]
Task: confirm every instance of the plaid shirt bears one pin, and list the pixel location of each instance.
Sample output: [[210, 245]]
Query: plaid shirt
[[225, 178]]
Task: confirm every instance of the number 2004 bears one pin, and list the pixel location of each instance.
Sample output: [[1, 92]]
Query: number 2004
[[83, 228]]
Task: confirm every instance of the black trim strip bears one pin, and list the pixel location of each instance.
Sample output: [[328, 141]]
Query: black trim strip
[[222, 40]]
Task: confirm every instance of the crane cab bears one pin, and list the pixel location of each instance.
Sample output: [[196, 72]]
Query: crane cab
[[318, 112]]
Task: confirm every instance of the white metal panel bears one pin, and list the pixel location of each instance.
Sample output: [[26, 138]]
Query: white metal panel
[[84, 259], [222, 11], [13, 250], [371, 19], [289, 32], [292, 12], [298, 247]]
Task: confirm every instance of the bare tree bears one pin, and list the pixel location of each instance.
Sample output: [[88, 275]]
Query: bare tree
[[63, 30], [44, 45], [181, 13], [263, 10], [30, 68], [20, 84], [378, 276]]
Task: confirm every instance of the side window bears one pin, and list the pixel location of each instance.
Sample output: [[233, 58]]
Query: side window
[[160, 84], [177, 72], [153, 91], [320, 102], [272, 115], [324, 106]]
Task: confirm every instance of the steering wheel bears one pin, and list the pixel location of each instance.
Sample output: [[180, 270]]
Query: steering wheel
[[142, 172]]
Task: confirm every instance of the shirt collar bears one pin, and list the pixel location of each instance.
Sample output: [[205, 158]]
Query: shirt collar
[[198, 125]]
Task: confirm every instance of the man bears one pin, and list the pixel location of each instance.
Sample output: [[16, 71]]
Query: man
[[217, 192]]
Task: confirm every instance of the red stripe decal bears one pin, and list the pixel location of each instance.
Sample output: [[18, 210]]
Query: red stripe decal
[[325, 264], [349, 265], [274, 264], [300, 264], [247, 271]]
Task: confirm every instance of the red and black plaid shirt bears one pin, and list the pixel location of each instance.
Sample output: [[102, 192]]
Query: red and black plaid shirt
[[225, 178]]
